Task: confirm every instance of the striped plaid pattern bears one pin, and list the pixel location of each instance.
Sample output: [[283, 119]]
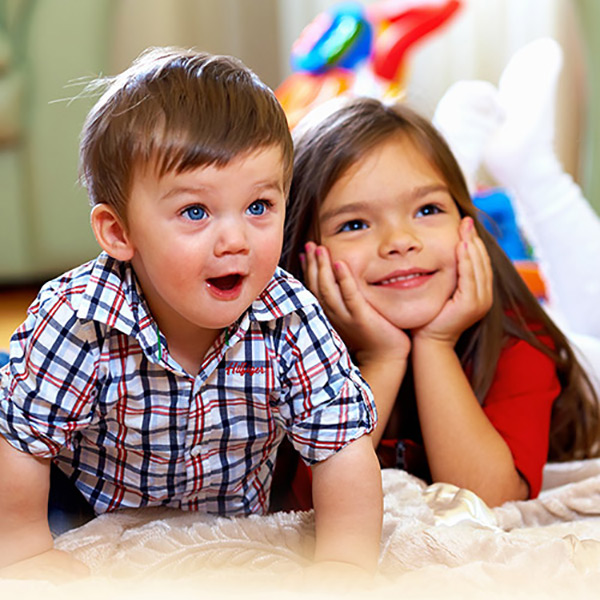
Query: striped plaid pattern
[[90, 383]]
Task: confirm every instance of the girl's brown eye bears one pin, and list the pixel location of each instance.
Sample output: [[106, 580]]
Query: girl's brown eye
[[429, 209], [354, 225]]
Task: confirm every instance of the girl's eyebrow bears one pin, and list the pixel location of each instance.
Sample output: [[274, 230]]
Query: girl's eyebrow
[[425, 190], [415, 194], [345, 208]]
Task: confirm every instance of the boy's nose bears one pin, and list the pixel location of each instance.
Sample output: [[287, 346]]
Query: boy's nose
[[398, 239], [231, 239]]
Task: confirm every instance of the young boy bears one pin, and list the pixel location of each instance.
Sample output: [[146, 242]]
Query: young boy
[[167, 371]]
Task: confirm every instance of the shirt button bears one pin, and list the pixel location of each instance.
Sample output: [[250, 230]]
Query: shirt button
[[195, 451]]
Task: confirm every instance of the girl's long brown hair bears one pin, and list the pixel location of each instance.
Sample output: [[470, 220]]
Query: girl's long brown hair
[[327, 146]]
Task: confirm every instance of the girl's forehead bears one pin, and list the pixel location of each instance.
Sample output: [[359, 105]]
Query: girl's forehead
[[393, 157]]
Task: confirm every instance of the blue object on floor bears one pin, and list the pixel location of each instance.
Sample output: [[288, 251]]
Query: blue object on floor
[[3, 358], [499, 219]]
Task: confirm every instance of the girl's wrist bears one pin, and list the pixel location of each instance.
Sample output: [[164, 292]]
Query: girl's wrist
[[381, 359], [424, 340]]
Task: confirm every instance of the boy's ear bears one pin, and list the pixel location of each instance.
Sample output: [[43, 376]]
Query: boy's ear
[[111, 233]]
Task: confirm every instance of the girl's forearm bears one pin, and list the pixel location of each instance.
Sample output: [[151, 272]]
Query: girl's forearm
[[463, 447], [384, 379]]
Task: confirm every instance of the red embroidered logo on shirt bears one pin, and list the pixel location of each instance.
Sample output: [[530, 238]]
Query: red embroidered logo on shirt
[[243, 368]]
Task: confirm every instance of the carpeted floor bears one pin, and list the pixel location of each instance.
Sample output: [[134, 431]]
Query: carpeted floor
[[13, 307]]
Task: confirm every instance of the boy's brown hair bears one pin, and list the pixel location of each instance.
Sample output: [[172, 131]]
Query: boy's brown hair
[[176, 110], [327, 145]]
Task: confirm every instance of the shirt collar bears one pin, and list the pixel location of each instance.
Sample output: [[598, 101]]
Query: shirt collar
[[112, 297], [282, 296]]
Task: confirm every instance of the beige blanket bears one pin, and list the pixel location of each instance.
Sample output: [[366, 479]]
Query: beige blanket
[[438, 542]]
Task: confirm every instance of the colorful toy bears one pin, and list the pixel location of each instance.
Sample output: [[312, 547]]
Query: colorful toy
[[340, 37], [350, 48], [401, 25], [498, 217]]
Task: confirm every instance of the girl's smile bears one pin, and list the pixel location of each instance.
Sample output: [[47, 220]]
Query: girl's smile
[[391, 219], [404, 279]]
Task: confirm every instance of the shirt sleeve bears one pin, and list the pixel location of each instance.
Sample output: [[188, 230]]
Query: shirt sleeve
[[519, 406], [325, 402], [47, 387]]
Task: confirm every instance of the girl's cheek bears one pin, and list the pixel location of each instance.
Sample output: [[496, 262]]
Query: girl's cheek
[[352, 258]]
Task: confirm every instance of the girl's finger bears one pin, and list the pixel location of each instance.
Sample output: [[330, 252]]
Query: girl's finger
[[351, 295], [482, 268], [329, 290], [310, 268], [484, 272], [466, 286]]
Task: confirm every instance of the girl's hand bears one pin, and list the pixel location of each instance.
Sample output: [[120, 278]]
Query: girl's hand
[[474, 290], [367, 333]]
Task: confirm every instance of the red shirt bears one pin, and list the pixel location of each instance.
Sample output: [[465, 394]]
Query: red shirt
[[518, 404]]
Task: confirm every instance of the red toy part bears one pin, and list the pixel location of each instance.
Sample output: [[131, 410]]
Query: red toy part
[[406, 26]]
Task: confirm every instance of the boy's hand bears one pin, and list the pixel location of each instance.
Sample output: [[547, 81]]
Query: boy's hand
[[473, 296], [366, 332], [337, 576], [54, 565]]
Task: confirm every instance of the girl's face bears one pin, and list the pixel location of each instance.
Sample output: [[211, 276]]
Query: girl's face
[[392, 220]]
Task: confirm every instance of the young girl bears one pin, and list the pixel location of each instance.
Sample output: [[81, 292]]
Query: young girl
[[473, 382]]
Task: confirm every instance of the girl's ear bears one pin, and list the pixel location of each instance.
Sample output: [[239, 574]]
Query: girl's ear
[[111, 233]]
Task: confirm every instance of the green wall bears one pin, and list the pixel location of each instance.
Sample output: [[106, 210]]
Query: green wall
[[589, 13]]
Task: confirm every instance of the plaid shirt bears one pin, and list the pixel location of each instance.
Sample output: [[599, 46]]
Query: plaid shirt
[[91, 383]]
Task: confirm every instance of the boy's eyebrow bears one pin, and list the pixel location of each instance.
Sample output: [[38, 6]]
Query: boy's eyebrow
[[182, 189], [415, 194], [199, 188], [276, 185]]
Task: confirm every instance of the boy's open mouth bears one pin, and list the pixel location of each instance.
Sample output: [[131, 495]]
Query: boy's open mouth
[[225, 283]]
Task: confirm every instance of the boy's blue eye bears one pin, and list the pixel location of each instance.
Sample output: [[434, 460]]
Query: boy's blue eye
[[195, 213], [257, 208], [354, 225], [429, 209]]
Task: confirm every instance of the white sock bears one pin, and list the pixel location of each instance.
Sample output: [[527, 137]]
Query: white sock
[[558, 221], [522, 150], [466, 116]]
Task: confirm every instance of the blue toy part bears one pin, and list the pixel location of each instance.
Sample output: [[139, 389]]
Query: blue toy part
[[339, 37], [3, 358], [499, 219]]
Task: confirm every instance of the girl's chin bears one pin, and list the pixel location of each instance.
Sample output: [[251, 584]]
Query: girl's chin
[[412, 323]]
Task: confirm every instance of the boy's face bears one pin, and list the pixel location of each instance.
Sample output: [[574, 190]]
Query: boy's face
[[207, 241]]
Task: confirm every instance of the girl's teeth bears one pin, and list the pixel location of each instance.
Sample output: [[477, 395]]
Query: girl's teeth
[[401, 278]]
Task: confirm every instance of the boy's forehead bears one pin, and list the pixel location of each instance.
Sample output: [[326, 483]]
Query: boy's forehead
[[270, 159]]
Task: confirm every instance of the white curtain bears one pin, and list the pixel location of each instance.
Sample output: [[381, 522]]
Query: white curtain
[[477, 43], [480, 40]]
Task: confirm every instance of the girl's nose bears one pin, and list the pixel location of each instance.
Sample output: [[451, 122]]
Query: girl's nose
[[399, 239], [231, 238]]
